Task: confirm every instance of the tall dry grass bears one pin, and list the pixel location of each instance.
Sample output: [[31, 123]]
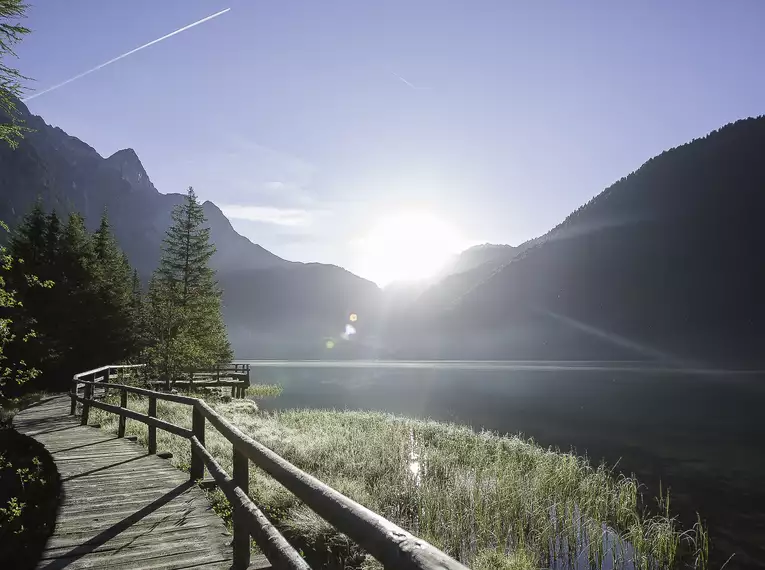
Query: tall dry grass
[[489, 501]]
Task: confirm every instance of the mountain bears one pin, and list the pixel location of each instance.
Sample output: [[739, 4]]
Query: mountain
[[266, 298], [493, 255], [467, 270], [664, 264]]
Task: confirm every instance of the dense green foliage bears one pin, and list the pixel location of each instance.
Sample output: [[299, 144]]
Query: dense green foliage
[[14, 371], [490, 501], [86, 304], [11, 32], [183, 319], [84, 316]]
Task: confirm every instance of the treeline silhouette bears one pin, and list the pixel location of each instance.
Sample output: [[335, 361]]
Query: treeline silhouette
[[77, 292]]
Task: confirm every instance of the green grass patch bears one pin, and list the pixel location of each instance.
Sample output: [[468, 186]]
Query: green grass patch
[[264, 390], [488, 500]]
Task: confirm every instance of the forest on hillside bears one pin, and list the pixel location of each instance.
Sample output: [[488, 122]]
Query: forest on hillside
[[72, 302]]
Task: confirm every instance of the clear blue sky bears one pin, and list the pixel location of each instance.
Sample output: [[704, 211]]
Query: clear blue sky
[[308, 120]]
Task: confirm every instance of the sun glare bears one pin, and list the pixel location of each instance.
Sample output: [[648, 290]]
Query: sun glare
[[408, 246]]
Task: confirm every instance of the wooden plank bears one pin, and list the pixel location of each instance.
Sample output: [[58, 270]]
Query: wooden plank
[[122, 508], [280, 552]]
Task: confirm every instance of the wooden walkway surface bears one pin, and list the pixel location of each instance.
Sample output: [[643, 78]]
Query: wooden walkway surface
[[121, 508]]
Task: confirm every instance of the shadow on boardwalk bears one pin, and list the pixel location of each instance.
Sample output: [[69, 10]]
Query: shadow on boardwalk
[[121, 508]]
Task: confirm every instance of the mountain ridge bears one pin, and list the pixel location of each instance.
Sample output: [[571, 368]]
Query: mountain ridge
[[69, 175], [664, 263]]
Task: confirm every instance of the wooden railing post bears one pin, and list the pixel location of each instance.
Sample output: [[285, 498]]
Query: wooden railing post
[[123, 419], [197, 470], [152, 429], [73, 395], [86, 404], [241, 534]]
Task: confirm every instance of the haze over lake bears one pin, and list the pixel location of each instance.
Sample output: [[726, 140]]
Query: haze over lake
[[698, 432]]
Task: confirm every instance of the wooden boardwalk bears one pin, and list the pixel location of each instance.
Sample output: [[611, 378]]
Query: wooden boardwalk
[[120, 507]]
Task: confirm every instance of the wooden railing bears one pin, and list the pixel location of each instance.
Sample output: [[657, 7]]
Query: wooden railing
[[391, 545], [236, 376]]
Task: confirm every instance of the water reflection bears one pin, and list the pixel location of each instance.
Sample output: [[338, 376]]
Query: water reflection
[[413, 462]]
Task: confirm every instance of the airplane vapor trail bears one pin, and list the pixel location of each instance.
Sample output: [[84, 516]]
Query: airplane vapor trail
[[124, 55], [397, 76]]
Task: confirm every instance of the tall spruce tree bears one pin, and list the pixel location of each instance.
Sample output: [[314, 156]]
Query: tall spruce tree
[[113, 286], [79, 319], [86, 318], [29, 253], [29, 241], [184, 319]]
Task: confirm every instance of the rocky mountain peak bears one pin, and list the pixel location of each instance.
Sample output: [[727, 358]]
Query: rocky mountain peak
[[131, 169]]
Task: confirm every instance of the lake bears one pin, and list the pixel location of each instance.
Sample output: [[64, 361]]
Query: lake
[[699, 433]]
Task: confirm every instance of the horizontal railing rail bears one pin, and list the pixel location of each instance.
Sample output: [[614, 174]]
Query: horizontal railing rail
[[393, 546]]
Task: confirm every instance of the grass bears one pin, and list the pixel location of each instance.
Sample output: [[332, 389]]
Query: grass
[[490, 501]]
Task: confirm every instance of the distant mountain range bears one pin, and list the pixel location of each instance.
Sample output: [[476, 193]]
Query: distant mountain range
[[664, 264], [273, 307]]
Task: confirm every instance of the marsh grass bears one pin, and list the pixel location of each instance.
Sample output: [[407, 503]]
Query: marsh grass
[[487, 500]]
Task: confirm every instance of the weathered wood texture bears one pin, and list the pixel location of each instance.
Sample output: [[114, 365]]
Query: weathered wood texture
[[122, 508], [389, 543]]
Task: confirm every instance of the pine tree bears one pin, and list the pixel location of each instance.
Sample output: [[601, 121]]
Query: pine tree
[[28, 244], [86, 319], [138, 315], [78, 318], [136, 292], [185, 323], [52, 239], [113, 286], [11, 32], [27, 249]]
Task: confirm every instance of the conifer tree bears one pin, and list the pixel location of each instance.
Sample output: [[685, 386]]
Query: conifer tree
[[78, 321], [184, 317], [11, 32], [113, 286], [87, 317]]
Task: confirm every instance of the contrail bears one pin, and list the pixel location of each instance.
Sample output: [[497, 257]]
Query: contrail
[[397, 76], [119, 57]]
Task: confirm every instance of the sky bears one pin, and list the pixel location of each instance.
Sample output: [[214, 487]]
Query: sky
[[308, 122]]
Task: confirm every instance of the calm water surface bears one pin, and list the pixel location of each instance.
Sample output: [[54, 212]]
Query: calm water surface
[[700, 433]]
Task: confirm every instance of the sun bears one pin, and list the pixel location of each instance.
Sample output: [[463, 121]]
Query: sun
[[407, 246]]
